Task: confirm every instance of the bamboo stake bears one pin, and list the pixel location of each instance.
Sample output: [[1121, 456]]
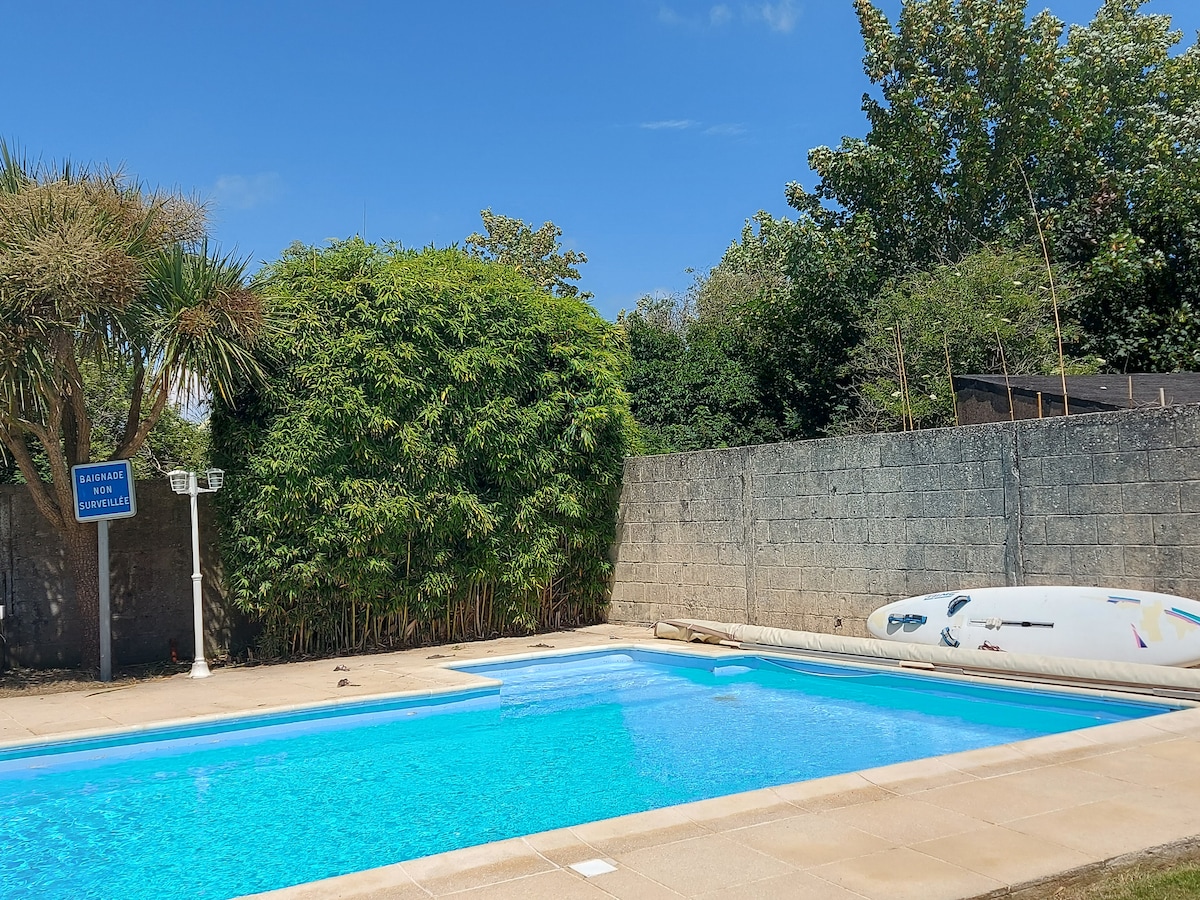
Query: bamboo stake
[[905, 397], [1062, 365], [1012, 414], [950, 375]]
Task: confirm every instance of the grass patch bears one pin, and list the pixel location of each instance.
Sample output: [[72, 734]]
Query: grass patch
[[1178, 884], [1169, 873]]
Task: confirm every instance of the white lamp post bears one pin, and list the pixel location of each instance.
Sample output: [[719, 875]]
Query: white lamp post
[[186, 483]]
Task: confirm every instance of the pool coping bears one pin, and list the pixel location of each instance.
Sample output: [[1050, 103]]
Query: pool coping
[[637, 843]]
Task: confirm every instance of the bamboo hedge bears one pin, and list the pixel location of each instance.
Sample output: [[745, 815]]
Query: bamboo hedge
[[436, 455]]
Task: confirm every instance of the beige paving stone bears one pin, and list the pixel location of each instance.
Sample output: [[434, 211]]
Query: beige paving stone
[[561, 847], [70, 726], [1131, 731], [474, 867], [1003, 854], [833, 792], [916, 775], [11, 731], [798, 886], [740, 810], [1107, 828], [1062, 747], [990, 761], [626, 884], [1180, 801], [904, 820], [646, 829], [384, 883], [1183, 722], [1139, 766], [1182, 752], [905, 874], [557, 885], [708, 863], [1022, 794], [809, 840]]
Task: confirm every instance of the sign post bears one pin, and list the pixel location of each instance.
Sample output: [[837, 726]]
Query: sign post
[[103, 491]]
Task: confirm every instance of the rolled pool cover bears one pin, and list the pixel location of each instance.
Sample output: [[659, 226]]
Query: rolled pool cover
[[1165, 681]]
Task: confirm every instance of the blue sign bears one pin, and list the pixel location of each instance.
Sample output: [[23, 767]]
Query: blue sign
[[103, 491]]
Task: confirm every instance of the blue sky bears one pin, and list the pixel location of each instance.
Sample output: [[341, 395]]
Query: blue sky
[[648, 131]]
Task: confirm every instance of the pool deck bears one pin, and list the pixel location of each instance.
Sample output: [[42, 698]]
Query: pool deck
[[983, 822]]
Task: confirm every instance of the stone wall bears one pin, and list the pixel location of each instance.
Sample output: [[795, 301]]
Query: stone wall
[[817, 534], [151, 588]]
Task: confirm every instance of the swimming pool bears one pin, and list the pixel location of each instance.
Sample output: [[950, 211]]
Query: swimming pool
[[223, 809]]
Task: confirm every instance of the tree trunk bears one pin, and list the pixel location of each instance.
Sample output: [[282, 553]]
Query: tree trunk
[[84, 558]]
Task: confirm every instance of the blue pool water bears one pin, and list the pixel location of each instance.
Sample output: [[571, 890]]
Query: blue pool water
[[217, 811]]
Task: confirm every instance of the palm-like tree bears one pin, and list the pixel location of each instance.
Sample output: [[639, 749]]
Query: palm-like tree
[[93, 266]]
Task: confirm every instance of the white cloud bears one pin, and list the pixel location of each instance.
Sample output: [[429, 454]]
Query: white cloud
[[718, 15], [781, 16], [726, 129], [247, 191], [672, 124], [668, 16]]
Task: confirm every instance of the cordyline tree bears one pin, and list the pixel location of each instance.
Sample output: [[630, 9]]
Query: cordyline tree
[[96, 270]]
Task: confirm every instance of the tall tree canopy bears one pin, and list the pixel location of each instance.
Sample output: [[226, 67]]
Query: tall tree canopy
[[535, 254], [982, 118], [436, 454], [986, 131], [97, 272], [757, 351]]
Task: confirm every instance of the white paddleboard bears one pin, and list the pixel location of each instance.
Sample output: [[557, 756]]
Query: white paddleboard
[[1083, 622]]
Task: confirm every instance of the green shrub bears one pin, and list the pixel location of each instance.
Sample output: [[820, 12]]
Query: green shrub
[[437, 455]]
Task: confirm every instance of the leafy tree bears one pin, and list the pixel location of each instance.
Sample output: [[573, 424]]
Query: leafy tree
[[974, 103], [759, 350], [535, 254], [174, 441], [990, 312], [798, 290], [436, 454], [96, 271], [690, 382]]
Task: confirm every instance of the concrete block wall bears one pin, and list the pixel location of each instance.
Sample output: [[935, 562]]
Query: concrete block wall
[[815, 535], [150, 574]]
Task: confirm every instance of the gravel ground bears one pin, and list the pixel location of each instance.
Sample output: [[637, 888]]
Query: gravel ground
[[17, 682]]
